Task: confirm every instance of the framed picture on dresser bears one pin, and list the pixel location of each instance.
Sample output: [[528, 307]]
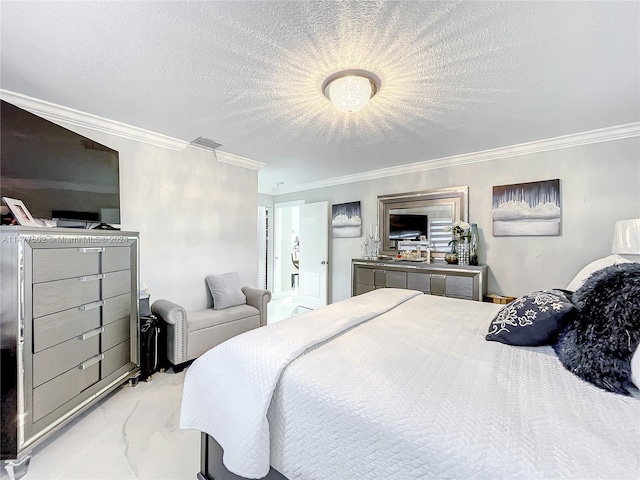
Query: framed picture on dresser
[[20, 212]]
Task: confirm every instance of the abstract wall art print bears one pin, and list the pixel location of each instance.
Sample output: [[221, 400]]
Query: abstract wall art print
[[345, 220], [527, 209]]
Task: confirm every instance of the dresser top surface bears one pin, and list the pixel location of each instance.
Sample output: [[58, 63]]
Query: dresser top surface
[[436, 265], [18, 230]]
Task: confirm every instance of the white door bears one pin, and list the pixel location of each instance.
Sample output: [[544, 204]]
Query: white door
[[314, 255]]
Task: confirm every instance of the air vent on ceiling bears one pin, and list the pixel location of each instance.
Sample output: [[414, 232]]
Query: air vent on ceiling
[[205, 143]]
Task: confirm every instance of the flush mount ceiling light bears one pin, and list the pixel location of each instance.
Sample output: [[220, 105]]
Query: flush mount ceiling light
[[350, 90]]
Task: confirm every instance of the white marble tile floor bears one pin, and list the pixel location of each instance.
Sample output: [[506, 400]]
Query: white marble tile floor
[[131, 434], [283, 306]]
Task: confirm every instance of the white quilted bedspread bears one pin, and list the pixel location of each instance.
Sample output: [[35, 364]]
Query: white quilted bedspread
[[227, 391], [417, 393], [414, 393]]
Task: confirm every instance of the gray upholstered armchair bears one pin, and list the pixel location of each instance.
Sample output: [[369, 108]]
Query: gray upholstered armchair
[[190, 334]]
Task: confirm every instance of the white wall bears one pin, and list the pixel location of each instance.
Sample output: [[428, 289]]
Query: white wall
[[600, 183], [196, 216]]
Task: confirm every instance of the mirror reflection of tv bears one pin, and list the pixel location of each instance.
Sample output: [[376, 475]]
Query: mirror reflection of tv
[[55, 172], [407, 226]]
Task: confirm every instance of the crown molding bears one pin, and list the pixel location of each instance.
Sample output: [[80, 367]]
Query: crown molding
[[608, 134], [69, 116], [238, 161]]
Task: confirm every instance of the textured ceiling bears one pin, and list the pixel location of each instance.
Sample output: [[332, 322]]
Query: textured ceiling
[[456, 77]]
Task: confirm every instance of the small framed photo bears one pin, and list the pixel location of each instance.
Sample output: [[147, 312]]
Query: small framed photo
[[423, 238], [20, 212]]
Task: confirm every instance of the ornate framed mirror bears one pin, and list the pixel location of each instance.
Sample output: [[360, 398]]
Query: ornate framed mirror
[[436, 208]]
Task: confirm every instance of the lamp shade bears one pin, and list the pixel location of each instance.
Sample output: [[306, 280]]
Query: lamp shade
[[626, 237]]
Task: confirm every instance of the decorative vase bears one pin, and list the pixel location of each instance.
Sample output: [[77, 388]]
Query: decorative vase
[[452, 256], [463, 252], [474, 245]]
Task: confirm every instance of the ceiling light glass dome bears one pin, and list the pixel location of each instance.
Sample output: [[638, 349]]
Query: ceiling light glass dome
[[350, 90]]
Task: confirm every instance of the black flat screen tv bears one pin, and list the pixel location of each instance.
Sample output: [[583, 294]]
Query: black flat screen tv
[[407, 226], [55, 172]]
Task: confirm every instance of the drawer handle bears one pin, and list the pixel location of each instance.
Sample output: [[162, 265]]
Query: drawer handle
[[91, 306], [91, 278], [92, 333], [91, 361], [91, 250]]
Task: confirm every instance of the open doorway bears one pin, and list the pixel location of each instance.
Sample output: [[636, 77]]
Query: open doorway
[[284, 302]]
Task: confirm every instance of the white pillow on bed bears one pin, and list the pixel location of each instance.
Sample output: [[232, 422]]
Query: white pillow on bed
[[594, 266], [635, 368]]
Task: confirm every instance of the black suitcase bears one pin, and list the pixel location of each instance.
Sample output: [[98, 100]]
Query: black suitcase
[[149, 355]]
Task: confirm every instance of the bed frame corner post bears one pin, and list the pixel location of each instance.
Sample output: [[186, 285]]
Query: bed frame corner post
[[204, 458]]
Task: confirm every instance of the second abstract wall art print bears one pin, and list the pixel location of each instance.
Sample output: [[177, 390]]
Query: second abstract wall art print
[[345, 220], [527, 209]]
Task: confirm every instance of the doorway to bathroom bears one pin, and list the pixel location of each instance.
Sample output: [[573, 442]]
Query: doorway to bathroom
[[286, 251]]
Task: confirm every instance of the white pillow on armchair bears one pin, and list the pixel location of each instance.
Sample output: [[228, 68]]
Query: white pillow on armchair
[[226, 290]]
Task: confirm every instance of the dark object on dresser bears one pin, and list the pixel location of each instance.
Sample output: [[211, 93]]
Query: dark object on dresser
[[27, 159], [597, 345]]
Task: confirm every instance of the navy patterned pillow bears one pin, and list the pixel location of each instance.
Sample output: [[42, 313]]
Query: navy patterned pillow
[[532, 320]]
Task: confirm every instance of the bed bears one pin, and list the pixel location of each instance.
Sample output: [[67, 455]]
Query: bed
[[396, 384]]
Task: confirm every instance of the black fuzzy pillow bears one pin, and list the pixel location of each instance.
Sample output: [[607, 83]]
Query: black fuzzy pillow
[[598, 343]]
